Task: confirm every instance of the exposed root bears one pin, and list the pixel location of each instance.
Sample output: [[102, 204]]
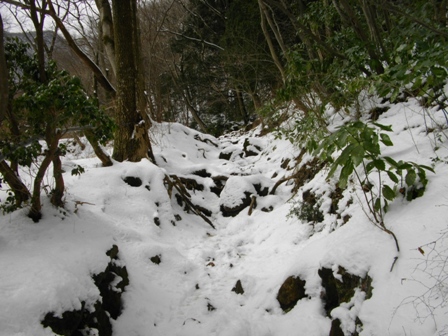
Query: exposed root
[[174, 181]]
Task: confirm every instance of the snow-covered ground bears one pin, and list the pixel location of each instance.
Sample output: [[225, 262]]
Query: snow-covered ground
[[47, 267]]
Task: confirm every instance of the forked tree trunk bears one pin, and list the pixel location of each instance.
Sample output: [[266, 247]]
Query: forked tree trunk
[[52, 140]]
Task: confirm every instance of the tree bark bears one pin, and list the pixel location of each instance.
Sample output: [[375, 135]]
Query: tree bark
[[105, 159], [58, 191], [131, 141], [4, 86], [272, 50], [52, 143], [21, 192], [107, 31]]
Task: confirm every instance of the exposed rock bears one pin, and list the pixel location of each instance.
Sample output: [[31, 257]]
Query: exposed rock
[[261, 190], [191, 184], [376, 112], [95, 320], [335, 196], [157, 259], [202, 173], [157, 221], [238, 288], [112, 283], [336, 328], [133, 181], [225, 155], [210, 307], [285, 163], [232, 211], [292, 290], [337, 291], [250, 149], [268, 209], [206, 140], [220, 182]]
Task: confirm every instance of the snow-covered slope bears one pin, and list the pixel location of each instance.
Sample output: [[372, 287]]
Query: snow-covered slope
[[47, 267]]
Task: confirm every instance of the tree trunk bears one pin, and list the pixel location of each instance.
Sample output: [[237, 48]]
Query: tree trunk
[[52, 140], [4, 87], [58, 191], [272, 50], [21, 192], [105, 159], [107, 31], [131, 141]]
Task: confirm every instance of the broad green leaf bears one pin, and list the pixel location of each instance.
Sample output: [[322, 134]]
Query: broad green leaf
[[427, 168], [342, 139], [377, 204], [345, 155], [392, 176], [357, 155], [385, 139], [379, 164], [403, 165], [346, 171], [411, 176], [388, 192], [391, 161]]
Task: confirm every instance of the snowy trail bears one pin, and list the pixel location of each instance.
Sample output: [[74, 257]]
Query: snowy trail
[[48, 267]]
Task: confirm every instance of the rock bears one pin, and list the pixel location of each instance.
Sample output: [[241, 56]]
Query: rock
[[235, 209], [238, 288], [336, 328], [157, 259], [220, 182], [133, 181], [225, 155], [236, 195], [251, 149], [291, 291], [112, 283], [95, 320], [337, 291], [202, 173]]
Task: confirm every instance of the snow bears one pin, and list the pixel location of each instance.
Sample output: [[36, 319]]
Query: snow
[[48, 266]]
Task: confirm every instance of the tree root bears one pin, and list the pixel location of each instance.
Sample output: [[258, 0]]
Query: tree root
[[174, 181]]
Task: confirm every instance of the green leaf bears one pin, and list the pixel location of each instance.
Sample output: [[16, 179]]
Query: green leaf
[[379, 164], [392, 176], [427, 168], [385, 139], [388, 193], [357, 155], [342, 139], [411, 176], [387, 128], [394, 95], [391, 161], [377, 204], [403, 165], [345, 155], [333, 168], [346, 171]]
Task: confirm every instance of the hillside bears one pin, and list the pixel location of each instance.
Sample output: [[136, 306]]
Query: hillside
[[209, 236]]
